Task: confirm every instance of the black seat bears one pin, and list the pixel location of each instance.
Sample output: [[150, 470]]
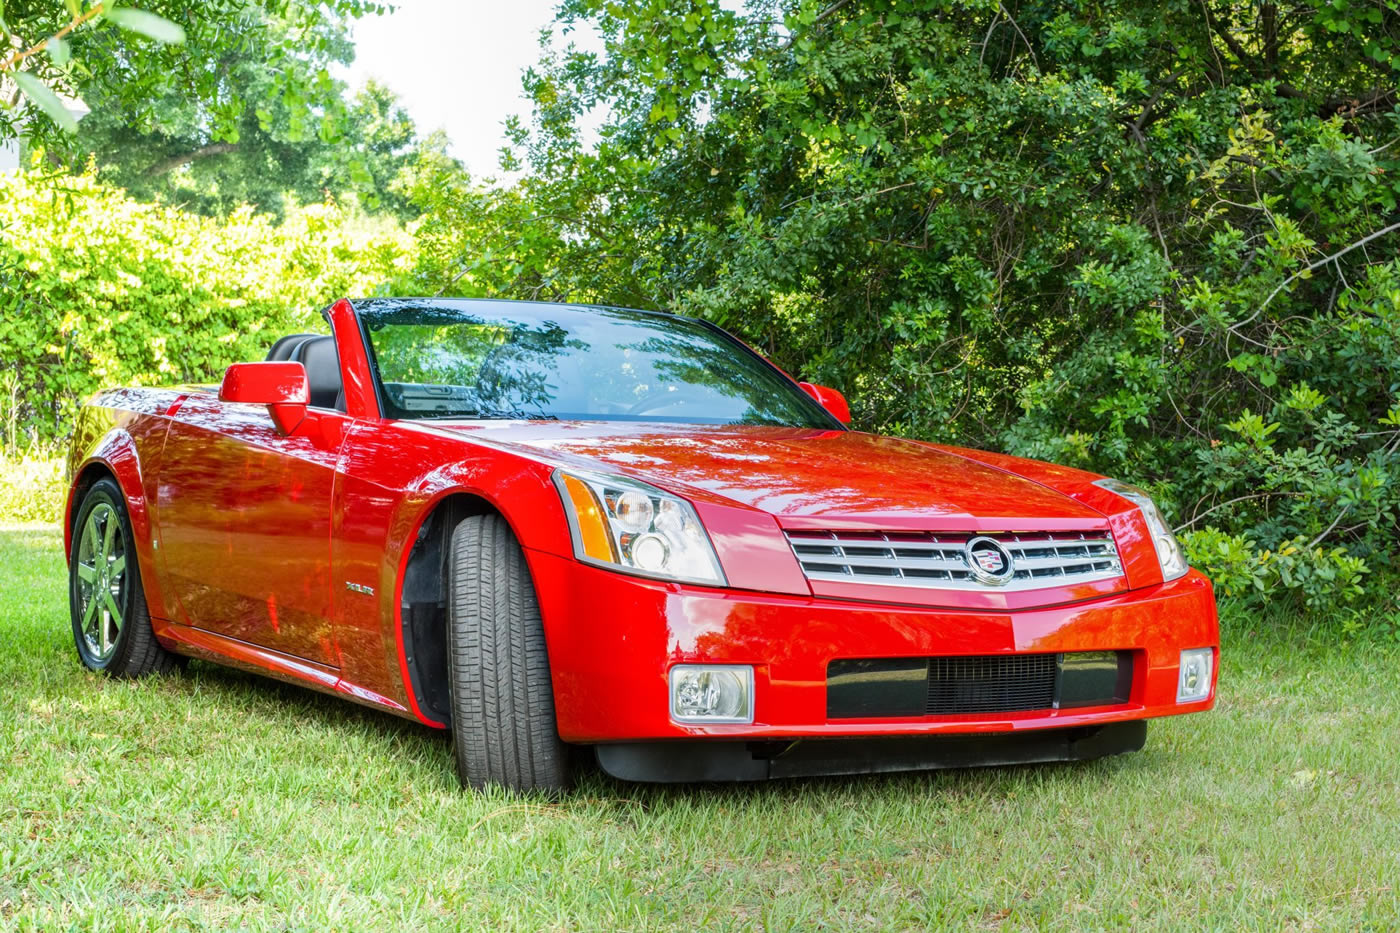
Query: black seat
[[322, 370], [283, 349]]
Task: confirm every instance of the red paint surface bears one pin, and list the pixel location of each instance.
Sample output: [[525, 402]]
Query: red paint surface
[[610, 678], [248, 540], [830, 399], [265, 384], [244, 523], [282, 387]]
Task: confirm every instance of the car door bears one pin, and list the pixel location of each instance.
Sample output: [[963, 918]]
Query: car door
[[244, 518]]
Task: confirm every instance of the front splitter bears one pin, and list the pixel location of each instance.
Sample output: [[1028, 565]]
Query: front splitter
[[671, 762]]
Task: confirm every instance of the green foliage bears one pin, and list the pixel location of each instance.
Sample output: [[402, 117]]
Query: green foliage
[[97, 290], [1324, 577], [1153, 240], [248, 114], [147, 24], [46, 100], [25, 65], [360, 152], [31, 484], [174, 58]]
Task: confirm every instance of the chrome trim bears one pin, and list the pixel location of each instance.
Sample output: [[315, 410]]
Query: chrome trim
[[939, 561], [100, 565], [981, 574]]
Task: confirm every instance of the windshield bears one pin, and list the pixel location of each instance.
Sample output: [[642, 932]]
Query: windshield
[[486, 359]]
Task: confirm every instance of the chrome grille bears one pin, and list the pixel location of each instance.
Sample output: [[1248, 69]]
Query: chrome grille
[[939, 561]]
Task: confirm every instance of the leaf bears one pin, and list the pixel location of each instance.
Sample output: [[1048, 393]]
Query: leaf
[[59, 51], [74, 9], [148, 24], [46, 100]]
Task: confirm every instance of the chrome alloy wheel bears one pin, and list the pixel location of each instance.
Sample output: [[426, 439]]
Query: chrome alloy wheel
[[101, 562]]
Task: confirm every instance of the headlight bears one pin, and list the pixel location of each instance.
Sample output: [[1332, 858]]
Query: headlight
[[1169, 553], [627, 525]]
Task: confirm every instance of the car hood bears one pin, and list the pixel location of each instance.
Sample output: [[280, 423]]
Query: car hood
[[805, 478]]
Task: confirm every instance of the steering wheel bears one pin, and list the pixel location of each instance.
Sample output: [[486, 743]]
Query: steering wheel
[[655, 400]]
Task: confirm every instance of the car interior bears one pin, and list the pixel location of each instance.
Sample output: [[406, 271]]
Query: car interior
[[317, 353]]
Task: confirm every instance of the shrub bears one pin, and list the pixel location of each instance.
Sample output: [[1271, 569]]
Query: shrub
[[31, 484], [1321, 577], [97, 289]]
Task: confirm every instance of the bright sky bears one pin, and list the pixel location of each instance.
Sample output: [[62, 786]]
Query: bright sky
[[456, 64]]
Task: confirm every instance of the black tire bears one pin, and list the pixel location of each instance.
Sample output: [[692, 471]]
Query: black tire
[[503, 725], [111, 625]]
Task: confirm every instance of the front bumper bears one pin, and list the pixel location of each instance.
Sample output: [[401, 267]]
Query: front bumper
[[612, 638]]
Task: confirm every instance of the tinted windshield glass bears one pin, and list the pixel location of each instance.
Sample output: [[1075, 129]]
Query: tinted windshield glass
[[475, 359]]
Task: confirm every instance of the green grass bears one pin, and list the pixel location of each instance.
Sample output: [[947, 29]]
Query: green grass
[[212, 798]]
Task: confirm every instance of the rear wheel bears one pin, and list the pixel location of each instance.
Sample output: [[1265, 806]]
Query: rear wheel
[[111, 627], [503, 724]]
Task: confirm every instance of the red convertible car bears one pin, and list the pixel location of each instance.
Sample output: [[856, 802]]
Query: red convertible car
[[548, 526]]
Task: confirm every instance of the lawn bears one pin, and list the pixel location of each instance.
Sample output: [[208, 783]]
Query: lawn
[[213, 798]]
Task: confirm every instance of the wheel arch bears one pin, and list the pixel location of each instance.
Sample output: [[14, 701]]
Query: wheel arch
[[115, 459], [420, 600], [138, 650], [87, 477]]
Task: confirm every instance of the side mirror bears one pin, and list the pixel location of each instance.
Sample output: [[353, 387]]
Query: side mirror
[[282, 387], [829, 399]]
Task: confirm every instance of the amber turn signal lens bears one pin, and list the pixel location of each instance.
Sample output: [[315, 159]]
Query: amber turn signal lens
[[631, 526], [592, 526]]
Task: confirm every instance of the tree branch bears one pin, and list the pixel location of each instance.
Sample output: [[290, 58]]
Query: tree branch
[[1141, 122], [1335, 522], [1258, 495], [1233, 44], [38, 47], [829, 11], [1017, 26], [822, 16], [1234, 328], [1355, 104], [203, 152]]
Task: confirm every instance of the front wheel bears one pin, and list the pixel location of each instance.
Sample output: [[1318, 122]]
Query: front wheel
[[111, 627], [503, 725]]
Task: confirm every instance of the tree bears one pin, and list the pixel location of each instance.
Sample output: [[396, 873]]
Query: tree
[[22, 66], [172, 50], [1151, 239], [178, 156]]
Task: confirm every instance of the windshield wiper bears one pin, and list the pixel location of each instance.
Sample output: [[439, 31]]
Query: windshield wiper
[[493, 415]]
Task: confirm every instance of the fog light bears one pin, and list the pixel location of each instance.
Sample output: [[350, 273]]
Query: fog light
[[712, 693], [1193, 680]]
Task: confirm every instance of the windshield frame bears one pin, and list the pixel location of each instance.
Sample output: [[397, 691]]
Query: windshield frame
[[366, 310]]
